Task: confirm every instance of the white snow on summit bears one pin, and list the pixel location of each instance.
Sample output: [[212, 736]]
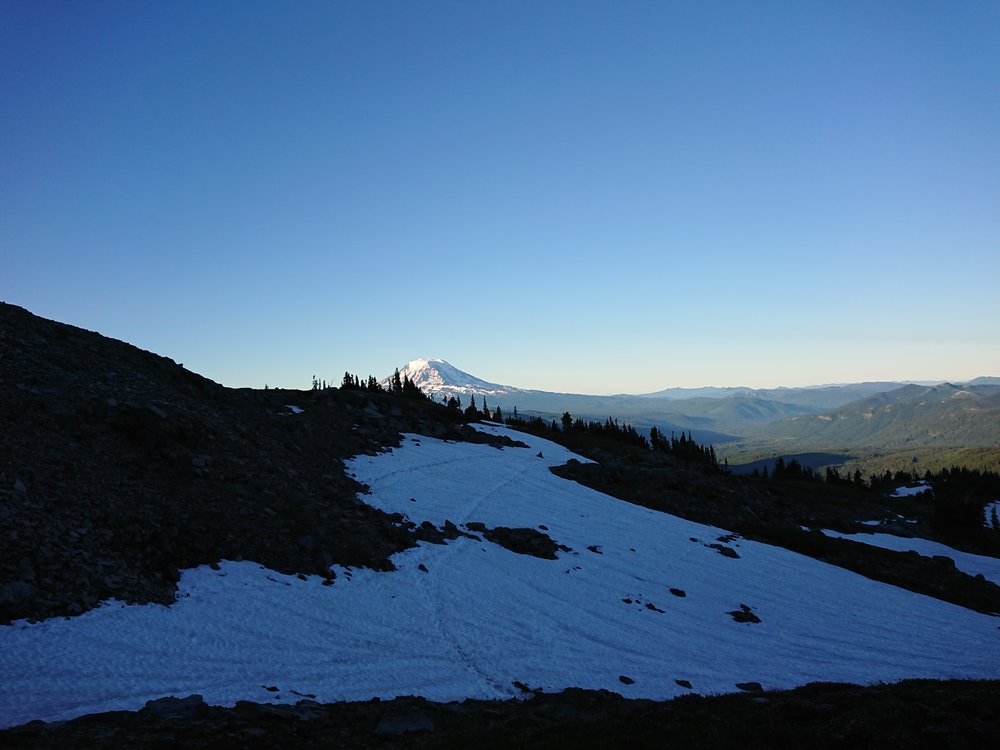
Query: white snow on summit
[[638, 594], [438, 378]]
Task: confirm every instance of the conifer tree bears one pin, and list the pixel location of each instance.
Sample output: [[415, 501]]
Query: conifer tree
[[471, 411]]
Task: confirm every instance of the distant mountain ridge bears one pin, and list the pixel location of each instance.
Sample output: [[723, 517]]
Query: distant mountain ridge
[[813, 397], [711, 414], [910, 416]]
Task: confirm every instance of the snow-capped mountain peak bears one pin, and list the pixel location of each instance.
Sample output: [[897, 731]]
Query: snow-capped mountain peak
[[438, 378]]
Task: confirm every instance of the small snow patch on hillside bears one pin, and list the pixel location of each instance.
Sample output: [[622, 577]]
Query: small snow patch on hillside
[[911, 490], [991, 515]]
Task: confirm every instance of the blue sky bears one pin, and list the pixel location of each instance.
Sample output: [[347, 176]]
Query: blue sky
[[578, 196]]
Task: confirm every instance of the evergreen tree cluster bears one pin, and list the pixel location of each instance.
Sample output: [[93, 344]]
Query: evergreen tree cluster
[[473, 412], [833, 477], [958, 481], [683, 447], [354, 383], [793, 470], [320, 385], [610, 430], [613, 432], [960, 496], [398, 386], [889, 481]]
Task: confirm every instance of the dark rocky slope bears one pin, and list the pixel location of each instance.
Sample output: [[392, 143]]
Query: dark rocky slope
[[118, 467]]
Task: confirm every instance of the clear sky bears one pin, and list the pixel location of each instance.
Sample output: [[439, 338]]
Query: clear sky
[[595, 197]]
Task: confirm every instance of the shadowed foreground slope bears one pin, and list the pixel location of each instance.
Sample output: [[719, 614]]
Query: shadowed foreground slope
[[914, 714], [119, 467]]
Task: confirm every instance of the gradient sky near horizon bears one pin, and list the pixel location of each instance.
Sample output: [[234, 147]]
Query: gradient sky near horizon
[[597, 197]]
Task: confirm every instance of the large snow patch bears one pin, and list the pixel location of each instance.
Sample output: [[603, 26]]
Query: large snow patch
[[640, 595]]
